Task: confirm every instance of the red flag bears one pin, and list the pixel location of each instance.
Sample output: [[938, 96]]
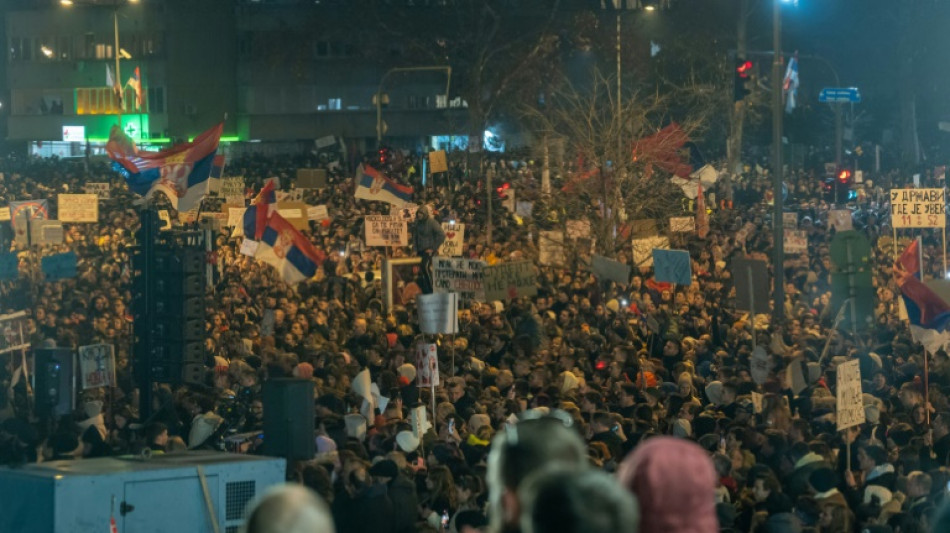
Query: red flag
[[702, 222], [112, 527], [263, 203], [663, 150], [909, 261]]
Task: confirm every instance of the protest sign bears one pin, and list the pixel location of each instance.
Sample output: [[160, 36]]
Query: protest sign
[[672, 266], [295, 213], [578, 229], [454, 240], [383, 230], [99, 189], [236, 216], [438, 162], [249, 247], [507, 281], [462, 276], [31, 209], [427, 365], [610, 270], [917, 208], [311, 178], [406, 212], [790, 220], [59, 266], [232, 187], [317, 212], [840, 219], [14, 332], [524, 209], [682, 224], [438, 313], [46, 232], [77, 207], [9, 267], [4, 213], [551, 247], [97, 365], [849, 400], [796, 241], [643, 249], [751, 280], [642, 228]]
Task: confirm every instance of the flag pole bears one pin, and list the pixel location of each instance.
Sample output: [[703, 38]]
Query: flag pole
[[920, 259]]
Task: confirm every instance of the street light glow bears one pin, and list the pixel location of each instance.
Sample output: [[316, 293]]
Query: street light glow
[[66, 2], [650, 7]]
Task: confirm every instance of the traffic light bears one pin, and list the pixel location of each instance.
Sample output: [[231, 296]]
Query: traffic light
[[742, 78], [502, 191], [844, 176]]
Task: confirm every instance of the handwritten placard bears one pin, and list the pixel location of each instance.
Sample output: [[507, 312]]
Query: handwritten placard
[[99, 189], [507, 281], [454, 239], [465, 277], [917, 208], [427, 365], [386, 230], [97, 365], [437, 161], [78, 207], [796, 241], [849, 400], [317, 213], [551, 248]]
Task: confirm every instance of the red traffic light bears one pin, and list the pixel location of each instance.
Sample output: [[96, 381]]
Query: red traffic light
[[744, 68], [844, 175]]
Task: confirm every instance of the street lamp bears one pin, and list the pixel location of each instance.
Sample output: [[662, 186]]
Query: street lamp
[[379, 92]]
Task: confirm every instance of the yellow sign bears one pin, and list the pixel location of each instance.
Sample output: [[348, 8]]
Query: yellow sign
[[437, 161]]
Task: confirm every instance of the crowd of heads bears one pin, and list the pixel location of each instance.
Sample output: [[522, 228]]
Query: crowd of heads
[[593, 406]]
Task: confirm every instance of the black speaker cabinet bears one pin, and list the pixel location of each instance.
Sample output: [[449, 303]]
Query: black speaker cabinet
[[288, 419], [54, 382]]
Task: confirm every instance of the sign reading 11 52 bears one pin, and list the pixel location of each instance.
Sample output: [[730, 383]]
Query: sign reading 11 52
[[917, 208]]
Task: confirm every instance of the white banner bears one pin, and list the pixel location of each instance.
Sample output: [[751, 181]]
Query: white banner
[[917, 208], [97, 365], [850, 400], [463, 276], [77, 207], [454, 240], [438, 313]]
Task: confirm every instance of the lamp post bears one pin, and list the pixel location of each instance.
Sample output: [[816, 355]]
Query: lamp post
[[379, 92], [778, 236], [837, 106], [116, 51]]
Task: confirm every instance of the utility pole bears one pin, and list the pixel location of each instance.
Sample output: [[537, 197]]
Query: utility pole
[[778, 236]]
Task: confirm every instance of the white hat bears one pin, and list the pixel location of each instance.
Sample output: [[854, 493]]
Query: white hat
[[407, 441]]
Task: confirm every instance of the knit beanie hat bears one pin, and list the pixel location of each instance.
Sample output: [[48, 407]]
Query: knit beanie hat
[[675, 482]]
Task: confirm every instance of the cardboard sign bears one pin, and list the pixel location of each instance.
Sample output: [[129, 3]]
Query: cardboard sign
[[383, 230], [610, 270], [643, 249], [551, 248], [295, 213], [917, 208], [438, 162], [99, 189], [311, 178], [4, 213], [317, 213], [682, 224], [427, 365], [59, 266], [46, 232], [796, 241], [438, 313], [840, 219], [849, 402], [97, 365], [454, 240], [578, 229], [232, 187], [790, 220], [465, 277], [77, 207], [507, 281]]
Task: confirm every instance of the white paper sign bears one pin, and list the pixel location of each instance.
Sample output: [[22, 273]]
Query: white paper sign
[[790, 220], [381, 230], [236, 216], [77, 207], [290, 213], [466, 277], [249, 247], [849, 400], [97, 365], [796, 241], [427, 365], [454, 240], [317, 212], [438, 313], [840, 219], [99, 189], [917, 208]]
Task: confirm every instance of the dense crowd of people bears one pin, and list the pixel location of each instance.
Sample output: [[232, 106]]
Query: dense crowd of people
[[593, 406]]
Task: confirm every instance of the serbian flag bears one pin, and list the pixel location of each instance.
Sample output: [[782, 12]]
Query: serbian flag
[[928, 313], [136, 82], [790, 84], [261, 209], [372, 184], [181, 172], [287, 250]]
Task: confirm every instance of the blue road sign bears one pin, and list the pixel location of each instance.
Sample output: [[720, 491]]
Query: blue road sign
[[831, 95]]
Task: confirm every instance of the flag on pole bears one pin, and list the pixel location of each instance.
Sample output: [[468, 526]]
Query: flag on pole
[[136, 82], [255, 217], [702, 221], [372, 184], [181, 172], [790, 84], [111, 81], [287, 250], [927, 312]]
